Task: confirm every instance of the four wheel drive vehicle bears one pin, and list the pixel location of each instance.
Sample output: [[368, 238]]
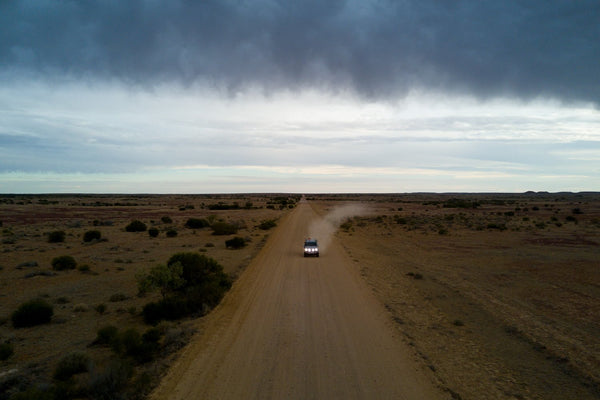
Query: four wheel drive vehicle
[[311, 248]]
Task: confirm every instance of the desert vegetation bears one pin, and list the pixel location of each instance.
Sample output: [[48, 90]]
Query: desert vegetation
[[71, 266]]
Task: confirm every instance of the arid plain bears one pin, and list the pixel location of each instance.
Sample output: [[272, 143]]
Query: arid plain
[[496, 295]]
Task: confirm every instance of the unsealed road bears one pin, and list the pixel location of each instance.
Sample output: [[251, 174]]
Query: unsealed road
[[297, 328]]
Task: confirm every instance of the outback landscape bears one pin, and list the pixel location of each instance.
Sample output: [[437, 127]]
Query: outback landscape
[[493, 295]]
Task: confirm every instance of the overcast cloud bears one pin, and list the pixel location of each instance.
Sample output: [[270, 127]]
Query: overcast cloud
[[376, 48], [261, 95]]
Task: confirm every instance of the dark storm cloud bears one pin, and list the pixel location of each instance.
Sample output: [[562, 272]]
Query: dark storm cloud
[[375, 48]]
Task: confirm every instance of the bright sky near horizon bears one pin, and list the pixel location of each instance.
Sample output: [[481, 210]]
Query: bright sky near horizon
[[309, 96]]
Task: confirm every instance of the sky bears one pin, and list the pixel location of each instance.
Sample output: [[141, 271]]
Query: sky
[[316, 96]]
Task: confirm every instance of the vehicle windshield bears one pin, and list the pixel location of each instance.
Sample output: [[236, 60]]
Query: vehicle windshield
[[310, 243]]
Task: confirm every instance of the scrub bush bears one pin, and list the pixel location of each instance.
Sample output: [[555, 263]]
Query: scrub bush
[[91, 235], [153, 232], [136, 226], [6, 350], [235, 243], [267, 224], [63, 263], [56, 237], [31, 313], [71, 365], [224, 228], [196, 223], [171, 233], [200, 283], [106, 335]]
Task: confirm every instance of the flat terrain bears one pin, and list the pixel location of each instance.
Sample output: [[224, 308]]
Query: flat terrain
[[462, 296], [298, 328]]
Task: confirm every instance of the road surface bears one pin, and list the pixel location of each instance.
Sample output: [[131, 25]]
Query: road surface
[[297, 328]]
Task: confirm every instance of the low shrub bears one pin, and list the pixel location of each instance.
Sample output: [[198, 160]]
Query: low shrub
[[91, 235], [267, 224], [153, 232], [31, 313], [136, 226], [571, 218], [224, 228], [62, 263], [56, 237], [171, 233], [6, 350], [235, 243], [72, 364], [106, 335], [100, 308], [196, 223], [166, 220]]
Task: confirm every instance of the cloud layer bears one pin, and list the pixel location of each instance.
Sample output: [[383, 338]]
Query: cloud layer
[[377, 49]]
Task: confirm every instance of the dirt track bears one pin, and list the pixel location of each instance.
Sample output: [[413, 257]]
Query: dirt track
[[297, 328]]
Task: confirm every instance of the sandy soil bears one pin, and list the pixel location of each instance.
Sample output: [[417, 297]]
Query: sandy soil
[[415, 295], [298, 328]]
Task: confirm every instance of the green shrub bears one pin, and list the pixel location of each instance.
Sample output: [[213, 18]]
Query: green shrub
[[153, 232], [136, 226], [224, 228], [31, 313], [6, 350], [196, 223], [267, 224], [166, 220], [91, 235], [171, 233], [100, 308], [106, 335], [201, 282], [63, 263], [56, 237], [72, 364], [197, 268], [235, 243]]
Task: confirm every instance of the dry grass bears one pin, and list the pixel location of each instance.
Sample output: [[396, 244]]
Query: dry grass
[[103, 289], [508, 300]]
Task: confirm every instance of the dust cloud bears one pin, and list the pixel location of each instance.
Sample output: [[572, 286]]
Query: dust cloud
[[324, 228]]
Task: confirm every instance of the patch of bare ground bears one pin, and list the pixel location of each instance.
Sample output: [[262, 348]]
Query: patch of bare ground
[[498, 294], [102, 290]]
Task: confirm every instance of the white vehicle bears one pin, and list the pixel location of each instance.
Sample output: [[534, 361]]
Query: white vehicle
[[311, 248]]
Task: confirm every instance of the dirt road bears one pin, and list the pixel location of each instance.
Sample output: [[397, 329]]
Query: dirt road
[[297, 328]]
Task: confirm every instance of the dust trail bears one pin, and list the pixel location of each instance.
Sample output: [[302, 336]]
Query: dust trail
[[324, 228]]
